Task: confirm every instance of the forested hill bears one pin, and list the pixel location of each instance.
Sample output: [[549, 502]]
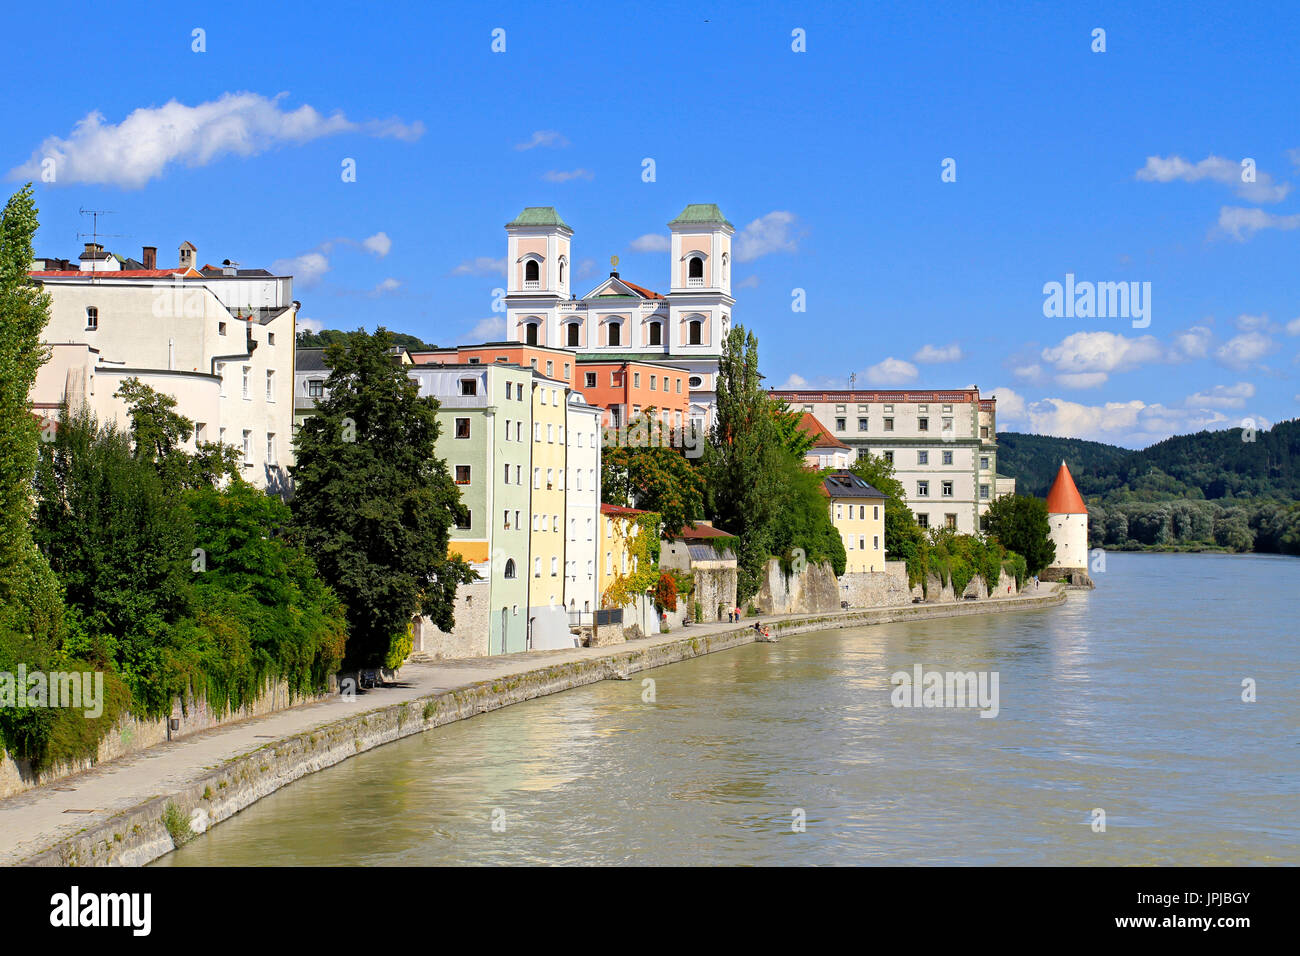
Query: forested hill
[[318, 340], [1213, 465]]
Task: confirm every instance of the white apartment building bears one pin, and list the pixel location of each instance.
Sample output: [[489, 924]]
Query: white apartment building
[[220, 340], [582, 505], [943, 445]]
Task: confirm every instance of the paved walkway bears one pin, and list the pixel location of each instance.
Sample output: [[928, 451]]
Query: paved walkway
[[33, 821]]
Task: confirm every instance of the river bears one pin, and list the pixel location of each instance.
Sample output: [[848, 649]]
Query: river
[[1127, 699]]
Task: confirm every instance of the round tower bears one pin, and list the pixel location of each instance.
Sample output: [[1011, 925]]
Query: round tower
[[1067, 518]]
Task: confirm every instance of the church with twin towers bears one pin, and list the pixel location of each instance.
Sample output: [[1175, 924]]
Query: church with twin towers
[[619, 320]]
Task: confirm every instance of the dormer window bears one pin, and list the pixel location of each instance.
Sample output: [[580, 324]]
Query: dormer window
[[92, 318], [469, 386]]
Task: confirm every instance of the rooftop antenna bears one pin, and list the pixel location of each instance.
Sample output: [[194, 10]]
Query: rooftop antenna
[[853, 377], [95, 234]]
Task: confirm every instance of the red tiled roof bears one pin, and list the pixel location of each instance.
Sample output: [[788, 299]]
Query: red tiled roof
[[699, 533], [122, 273], [1064, 498], [620, 511], [640, 289], [821, 436]]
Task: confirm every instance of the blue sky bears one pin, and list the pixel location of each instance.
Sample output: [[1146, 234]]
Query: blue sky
[[1123, 165]]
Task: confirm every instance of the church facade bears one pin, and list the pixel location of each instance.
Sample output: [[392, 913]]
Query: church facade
[[619, 320]]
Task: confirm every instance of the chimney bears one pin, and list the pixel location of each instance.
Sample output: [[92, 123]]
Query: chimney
[[229, 268], [150, 257]]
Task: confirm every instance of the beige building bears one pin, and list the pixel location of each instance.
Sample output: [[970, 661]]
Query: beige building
[[943, 445], [858, 513], [220, 340]]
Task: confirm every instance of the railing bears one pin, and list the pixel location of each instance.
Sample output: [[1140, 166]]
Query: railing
[[695, 283], [532, 284], [598, 618]]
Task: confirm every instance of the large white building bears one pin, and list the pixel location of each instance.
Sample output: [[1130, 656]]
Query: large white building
[[582, 505], [618, 319], [943, 445], [220, 340]]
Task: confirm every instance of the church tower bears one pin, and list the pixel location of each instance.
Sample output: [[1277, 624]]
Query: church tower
[[1067, 518], [537, 275], [699, 299]]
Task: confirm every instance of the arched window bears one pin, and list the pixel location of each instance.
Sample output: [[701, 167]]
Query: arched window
[[615, 335], [693, 331], [510, 567], [531, 271], [573, 334], [656, 333], [724, 267], [695, 268], [562, 263], [530, 333]]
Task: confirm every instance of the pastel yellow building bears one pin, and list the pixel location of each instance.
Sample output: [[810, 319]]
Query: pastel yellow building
[[858, 513], [546, 542], [618, 526]]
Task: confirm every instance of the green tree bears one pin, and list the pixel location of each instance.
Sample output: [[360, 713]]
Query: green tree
[[648, 473], [1020, 523], [902, 533], [372, 504], [159, 433], [31, 608], [746, 460]]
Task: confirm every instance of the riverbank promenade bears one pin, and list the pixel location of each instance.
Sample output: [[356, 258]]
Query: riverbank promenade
[[118, 800]]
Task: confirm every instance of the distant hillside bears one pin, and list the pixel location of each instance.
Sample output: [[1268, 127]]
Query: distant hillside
[[1207, 464]]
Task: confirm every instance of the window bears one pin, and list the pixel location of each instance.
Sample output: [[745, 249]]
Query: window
[[615, 334], [984, 431], [550, 369], [200, 433], [537, 431], [572, 334], [652, 384], [696, 381], [840, 424], [862, 542], [247, 376], [922, 408], [889, 424], [947, 424], [555, 566], [656, 334], [462, 474], [923, 424], [530, 335], [270, 338], [923, 458], [591, 379], [947, 409], [532, 272], [947, 458], [839, 512], [923, 489], [469, 386], [679, 386], [270, 385], [636, 379], [579, 479], [950, 522], [506, 479], [315, 388], [519, 431], [862, 424], [923, 521], [510, 568], [694, 332], [889, 457], [505, 520], [270, 448], [984, 492], [889, 409], [695, 268], [875, 542], [537, 567], [537, 477], [609, 562], [863, 453], [509, 388], [92, 318], [875, 512], [550, 479], [550, 434], [221, 435], [984, 462], [221, 328], [947, 489], [463, 521], [518, 524], [248, 447], [518, 481]]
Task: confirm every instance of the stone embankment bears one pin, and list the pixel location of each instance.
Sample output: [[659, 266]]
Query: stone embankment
[[158, 804]]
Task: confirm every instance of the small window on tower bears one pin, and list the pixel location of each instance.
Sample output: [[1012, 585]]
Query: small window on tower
[[531, 271], [695, 268]]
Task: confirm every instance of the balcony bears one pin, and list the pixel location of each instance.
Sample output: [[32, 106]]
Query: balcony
[[696, 283], [531, 285]]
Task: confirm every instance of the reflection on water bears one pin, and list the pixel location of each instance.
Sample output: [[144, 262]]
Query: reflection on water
[[1127, 699]]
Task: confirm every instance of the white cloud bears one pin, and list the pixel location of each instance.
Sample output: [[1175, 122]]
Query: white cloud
[[544, 137], [766, 234], [1223, 396], [1293, 327], [749, 282], [1029, 373], [1191, 343], [307, 268], [586, 268], [794, 381], [651, 242], [1082, 379], [1216, 169], [891, 371], [379, 244], [1134, 423], [1242, 223], [481, 266], [1251, 323], [1100, 353], [563, 176], [486, 330], [388, 285], [308, 325], [1242, 351], [142, 146], [939, 353]]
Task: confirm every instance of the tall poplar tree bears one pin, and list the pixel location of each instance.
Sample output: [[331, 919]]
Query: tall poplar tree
[[372, 504]]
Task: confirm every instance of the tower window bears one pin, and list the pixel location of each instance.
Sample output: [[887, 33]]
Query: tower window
[[694, 330], [531, 271], [615, 335], [695, 268], [530, 333], [573, 335], [656, 334]]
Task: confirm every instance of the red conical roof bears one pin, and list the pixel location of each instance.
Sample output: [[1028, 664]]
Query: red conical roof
[[1064, 498]]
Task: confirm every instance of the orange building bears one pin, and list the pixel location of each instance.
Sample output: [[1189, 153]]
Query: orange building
[[555, 364], [626, 389]]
